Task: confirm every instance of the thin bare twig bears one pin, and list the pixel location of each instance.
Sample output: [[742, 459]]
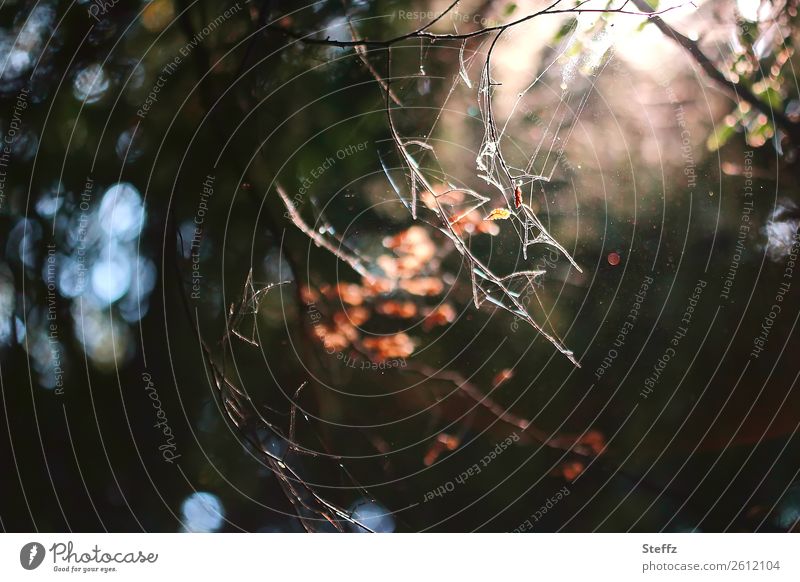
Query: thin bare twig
[[361, 51], [486, 285], [422, 32], [352, 260], [251, 424]]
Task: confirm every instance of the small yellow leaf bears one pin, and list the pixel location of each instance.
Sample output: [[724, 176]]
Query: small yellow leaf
[[498, 214]]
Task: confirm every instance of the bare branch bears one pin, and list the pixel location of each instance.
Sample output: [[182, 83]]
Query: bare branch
[[321, 241], [251, 424], [422, 32]]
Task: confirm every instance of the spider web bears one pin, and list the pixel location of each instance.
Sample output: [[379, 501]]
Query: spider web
[[510, 180]]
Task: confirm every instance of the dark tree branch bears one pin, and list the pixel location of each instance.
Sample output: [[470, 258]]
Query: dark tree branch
[[424, 33]]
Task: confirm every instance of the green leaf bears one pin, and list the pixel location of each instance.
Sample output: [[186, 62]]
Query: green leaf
[[567, 28], [510, 8], [772, 98], [720, 137], [574, 50]]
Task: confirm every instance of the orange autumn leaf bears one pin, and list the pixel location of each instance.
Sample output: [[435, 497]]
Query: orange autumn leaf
[[390, 346], [414, 249], [487, 227], [444, 442], [571, 470], [471, 223], [440, 315], [350, 293], [401, 309], [332, 339], [594, 440], [378, 285], [308, 295], [422, 286], [352, 316], [502, 377], [499, 214]]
